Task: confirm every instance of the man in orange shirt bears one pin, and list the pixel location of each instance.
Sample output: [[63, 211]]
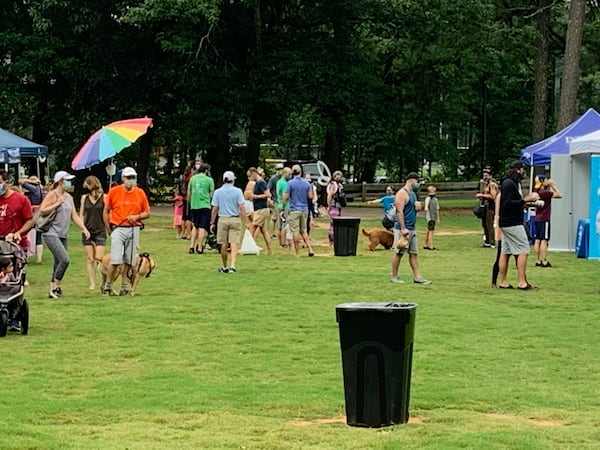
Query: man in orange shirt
[[125, 207]]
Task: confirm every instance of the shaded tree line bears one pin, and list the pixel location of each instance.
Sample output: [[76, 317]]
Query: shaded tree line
[[355, 83]]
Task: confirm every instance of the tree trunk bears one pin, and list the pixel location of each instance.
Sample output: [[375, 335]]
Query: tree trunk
[[332, 151], [253, 145], [570, 79], [218, 155], [542, 58], [143, 161]]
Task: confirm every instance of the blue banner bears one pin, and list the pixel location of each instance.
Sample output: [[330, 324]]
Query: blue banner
[[594, 250]]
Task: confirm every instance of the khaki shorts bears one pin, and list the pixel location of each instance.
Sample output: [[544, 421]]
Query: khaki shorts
[[297, 221], [229, 230], [261, 217]]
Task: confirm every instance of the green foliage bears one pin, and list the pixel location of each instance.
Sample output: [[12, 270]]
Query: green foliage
[[360, 83]]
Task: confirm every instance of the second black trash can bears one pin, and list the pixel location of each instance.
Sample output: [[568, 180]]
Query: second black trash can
[[345, 235], [376, 340]]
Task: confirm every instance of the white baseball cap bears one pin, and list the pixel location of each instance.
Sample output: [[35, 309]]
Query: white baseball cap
[[128, 172], [228, 176], [62, 175]]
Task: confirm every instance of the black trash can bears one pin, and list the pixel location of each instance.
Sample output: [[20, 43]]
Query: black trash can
[[345, 235], [377, 343]]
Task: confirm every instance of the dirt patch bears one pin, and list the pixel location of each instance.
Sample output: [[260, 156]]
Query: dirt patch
[[538, 422], [416, 420], [305, 423], [456, 232]]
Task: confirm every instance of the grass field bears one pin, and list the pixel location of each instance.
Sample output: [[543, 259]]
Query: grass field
[[252, 360]]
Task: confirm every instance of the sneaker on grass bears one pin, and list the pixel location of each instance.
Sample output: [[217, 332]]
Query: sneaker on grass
[[421, 281], [232, 270], [223, 270], [396, 280]]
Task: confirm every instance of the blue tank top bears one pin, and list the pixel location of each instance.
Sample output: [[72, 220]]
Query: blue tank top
[[410, 213]]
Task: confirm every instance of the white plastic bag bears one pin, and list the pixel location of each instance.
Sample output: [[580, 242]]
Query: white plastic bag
[[249, 246]]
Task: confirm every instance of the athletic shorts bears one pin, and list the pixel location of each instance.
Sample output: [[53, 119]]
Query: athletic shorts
[[229, 230], [431, 225], [201, 218], [412, 242], [124, 243], [542, 231], [514, 240]]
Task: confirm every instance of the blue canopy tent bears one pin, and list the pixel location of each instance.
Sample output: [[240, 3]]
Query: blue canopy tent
[[13, 148], [540, 153]]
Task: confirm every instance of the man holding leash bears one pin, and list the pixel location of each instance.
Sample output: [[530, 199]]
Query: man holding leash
[[406, 207], [125, 207]]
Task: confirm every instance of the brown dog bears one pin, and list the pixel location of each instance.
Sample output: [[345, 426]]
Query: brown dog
[[144, 265], [379, 236]]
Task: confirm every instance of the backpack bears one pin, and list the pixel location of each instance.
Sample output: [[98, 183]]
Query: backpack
[[389, 218], [340, 196]]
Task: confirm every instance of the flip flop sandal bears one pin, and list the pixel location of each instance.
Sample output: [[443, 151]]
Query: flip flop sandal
[[510, 286], [529, 287]]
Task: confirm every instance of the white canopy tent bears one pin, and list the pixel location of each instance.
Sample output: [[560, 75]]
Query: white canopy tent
[[586, 144], [572, 174]]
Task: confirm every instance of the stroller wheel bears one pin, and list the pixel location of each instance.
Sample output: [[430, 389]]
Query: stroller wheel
[[24, 317], [3, 323]]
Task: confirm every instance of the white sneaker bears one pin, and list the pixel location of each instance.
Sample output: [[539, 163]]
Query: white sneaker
[[396, 280], [422, 281]]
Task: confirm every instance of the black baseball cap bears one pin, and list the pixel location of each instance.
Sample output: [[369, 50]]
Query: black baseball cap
[[516, 164], [412, 175]]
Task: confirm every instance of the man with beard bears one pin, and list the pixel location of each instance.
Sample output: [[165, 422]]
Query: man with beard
[[514, 237]]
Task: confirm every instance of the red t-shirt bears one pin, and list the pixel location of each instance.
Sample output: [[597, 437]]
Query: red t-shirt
[[15, 210], [542, 213]]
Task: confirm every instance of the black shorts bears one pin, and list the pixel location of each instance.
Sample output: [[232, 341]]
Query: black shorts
[[201, 218], [431, 225], [542, 231], [98, 239]]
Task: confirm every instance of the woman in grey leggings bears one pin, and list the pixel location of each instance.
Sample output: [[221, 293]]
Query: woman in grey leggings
[[56, 237]]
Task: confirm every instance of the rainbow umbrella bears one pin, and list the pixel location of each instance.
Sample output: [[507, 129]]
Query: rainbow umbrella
[[110, 140]]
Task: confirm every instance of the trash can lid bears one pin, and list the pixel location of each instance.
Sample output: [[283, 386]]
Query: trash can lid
[[347, 218], [379, 306]]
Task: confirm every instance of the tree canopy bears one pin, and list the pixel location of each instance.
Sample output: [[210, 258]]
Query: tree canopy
[[359, 84]]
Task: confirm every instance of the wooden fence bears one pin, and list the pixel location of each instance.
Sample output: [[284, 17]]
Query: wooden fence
[[448, 189]]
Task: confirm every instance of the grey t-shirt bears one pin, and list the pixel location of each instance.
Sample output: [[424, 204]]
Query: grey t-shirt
[[62, 220]]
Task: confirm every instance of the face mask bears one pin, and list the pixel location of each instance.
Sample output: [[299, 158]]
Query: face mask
[[130, 183], [416, 187], [67, 184], [2, 188], [197, 166]]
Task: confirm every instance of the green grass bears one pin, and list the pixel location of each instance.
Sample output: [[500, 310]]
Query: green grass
[[252, 360]]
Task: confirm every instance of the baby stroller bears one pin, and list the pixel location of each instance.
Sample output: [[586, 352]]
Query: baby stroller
[[14, 311]]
